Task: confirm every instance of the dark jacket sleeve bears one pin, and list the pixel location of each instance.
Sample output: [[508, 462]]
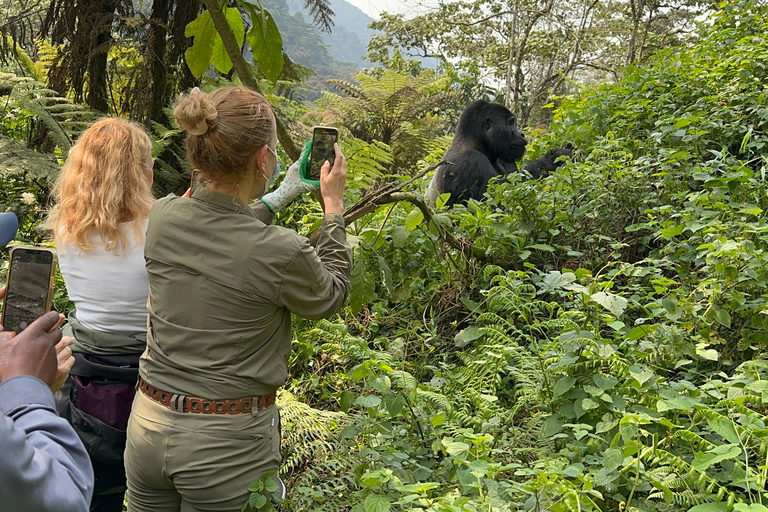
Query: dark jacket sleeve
[[316, 282], [44, 466]]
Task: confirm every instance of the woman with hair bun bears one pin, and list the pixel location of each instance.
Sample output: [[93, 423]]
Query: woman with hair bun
[[223, 284], [102, 201]]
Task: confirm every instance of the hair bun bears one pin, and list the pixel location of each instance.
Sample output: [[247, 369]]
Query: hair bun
[[195, 113]]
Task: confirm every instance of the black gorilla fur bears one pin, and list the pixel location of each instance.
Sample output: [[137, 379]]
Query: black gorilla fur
[[544, 165], [487, 143]]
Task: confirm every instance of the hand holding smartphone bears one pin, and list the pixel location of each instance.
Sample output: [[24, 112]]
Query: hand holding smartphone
[[29, 287], [323, 139]]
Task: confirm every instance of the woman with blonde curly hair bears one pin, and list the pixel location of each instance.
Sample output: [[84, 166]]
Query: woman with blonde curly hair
[[102, 201]]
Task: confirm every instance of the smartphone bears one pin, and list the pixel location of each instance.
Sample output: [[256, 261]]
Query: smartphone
[[30, 286], [323, 139]]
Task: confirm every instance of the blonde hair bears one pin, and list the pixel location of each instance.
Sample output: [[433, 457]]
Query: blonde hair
[[225, 130], [105, 181]]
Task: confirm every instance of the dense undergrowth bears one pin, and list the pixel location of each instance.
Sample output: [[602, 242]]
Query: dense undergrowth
[[616, 361]]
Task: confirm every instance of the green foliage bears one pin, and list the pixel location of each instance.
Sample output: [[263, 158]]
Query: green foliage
[[263, 37], [398, 110], [618, 362]]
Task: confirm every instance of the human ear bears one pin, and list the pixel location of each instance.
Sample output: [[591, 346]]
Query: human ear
[[260, 159]]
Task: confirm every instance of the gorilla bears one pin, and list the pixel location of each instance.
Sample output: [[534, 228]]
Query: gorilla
[[544, 165], [487, 144]]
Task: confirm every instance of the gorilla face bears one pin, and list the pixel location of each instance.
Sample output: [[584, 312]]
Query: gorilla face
[[503, 136]]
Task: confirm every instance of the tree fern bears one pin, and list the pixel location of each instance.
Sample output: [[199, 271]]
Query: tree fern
[[16, 158]]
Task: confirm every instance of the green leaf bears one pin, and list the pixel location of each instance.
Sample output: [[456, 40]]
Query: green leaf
[[368, 401], [219, 57], [414, 218], [395, 403], [418, 487], [670, 305], [752, 507], [563, 385], [457, 449], [588, 404], [723, 317], [376, 503], [640, 331], [399, 236], [640, 373], [270, 485], [550, 427], [673, 231], [256, 501], [610, 301], [710, 507], [199, 55], [541, 247], [603, 382], [267, 45], [725, 428], [465, 336], [702, 461], [346, 400], [613, 459]]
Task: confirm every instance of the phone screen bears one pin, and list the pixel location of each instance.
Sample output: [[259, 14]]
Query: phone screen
[[323, 140], [29, 287]]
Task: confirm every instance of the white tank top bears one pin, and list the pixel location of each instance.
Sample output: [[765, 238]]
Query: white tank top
[[109, 290]]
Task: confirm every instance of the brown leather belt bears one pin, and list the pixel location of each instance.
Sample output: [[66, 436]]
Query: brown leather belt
[[193, 404]]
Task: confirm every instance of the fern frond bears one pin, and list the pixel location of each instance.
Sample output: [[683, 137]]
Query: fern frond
[[15, 158], [347, 88]]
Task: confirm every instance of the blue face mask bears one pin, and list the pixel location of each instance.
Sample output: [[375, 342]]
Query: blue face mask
[[272, 178]]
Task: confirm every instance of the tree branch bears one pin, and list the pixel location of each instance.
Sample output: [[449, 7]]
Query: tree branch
[[393, 194], [244, 72]]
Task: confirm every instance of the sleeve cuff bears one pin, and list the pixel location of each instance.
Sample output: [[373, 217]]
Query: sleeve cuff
[[23, 390], [269, 206], [334, 218]]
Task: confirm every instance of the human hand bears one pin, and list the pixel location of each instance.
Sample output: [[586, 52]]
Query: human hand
[[332, 182], [65, 361], [31, 352]]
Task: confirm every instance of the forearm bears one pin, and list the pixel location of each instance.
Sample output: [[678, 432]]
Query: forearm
[[44, 465]]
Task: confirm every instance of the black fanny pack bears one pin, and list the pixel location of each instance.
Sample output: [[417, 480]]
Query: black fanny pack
[[96, 400]]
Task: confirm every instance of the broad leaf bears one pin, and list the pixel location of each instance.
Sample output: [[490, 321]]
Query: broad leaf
[[220, 58], [610, 301], [199, 55], [376, 503], [267, 45], [563, 385]]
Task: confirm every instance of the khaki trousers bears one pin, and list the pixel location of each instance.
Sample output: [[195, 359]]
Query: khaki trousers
[[196, 462]]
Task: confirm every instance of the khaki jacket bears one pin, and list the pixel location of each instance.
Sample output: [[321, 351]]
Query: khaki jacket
[[222, 287]]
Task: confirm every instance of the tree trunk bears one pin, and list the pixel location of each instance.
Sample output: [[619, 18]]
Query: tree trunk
[[511, 64], [183, 14], [100, 26], [243, 71], [157, 46], [637, 7]]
